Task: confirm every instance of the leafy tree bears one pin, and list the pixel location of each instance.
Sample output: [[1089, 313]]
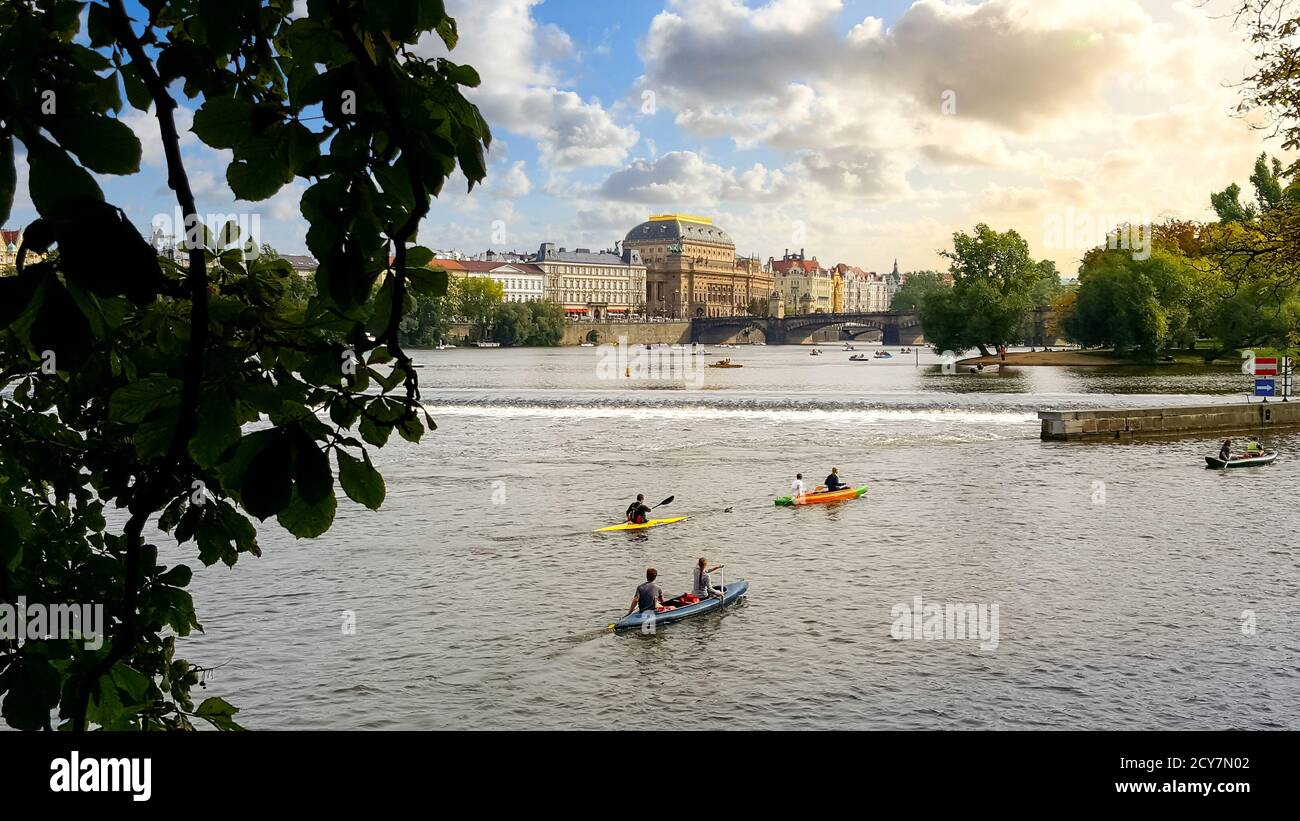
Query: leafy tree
[[1228, 205], [476, 301], [992, 293], [1136, 305], [758, 306], [548, 323], [513, 324], [201, 394], [428, 322], [912, 293]]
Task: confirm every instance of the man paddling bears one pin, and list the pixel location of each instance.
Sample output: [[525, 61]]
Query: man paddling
[[648, 596], [834, 482], [638, 510]]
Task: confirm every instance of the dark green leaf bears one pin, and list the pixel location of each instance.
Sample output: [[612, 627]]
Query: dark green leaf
[[361, 482]]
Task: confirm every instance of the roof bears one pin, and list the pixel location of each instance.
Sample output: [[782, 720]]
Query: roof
[[10, 236], [582, 255], [482, 266], [300, 260], [671, 227], [781, 266]]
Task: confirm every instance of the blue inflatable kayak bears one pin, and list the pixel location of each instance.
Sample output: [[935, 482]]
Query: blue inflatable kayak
[[638, 621]]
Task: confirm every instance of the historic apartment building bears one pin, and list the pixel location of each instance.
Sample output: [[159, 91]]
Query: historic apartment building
[[805, 286], [593, 284], [692, 269], [521, 282]]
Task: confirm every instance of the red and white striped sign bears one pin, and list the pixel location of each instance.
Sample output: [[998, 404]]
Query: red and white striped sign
[[1266, 366]]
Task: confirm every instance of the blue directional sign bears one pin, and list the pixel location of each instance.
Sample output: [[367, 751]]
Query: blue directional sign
[[1264, 387]]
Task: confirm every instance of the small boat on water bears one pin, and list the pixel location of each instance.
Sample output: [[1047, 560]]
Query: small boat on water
[[822, 498], [651, 619], [488, 344], [883, 355], [587, 345], [444, 347], [1245, 460], [815, 352], [859, 357], [639, 526], [725, 363]]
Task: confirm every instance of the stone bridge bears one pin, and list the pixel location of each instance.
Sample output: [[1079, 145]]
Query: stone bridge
[[895, 328]]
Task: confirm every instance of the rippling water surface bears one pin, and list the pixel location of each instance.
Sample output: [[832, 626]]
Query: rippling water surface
[[1120, 604]]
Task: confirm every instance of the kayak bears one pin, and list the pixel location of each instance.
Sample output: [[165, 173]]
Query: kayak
[[642, 526], [650, 620], [1265, 458], [824, 496]]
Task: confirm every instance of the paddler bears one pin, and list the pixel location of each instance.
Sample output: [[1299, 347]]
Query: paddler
[[834, 482], [638, 510], [1225, 452], [703, 587], [1253, 446], [796, 487], [648, 596]]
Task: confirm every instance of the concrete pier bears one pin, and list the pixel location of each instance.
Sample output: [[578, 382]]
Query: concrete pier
[[1124, 423]]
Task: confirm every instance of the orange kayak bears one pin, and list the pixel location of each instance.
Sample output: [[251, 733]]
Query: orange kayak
[[819, 498]]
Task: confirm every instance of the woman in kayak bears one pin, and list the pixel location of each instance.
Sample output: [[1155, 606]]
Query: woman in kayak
[[834, 482], [1225, 452], [638, 510], [703, 587]]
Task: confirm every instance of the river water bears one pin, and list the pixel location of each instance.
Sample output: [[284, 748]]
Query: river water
[[1134, 588]]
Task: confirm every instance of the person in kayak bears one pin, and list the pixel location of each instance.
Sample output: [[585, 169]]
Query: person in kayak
[[703, 587], [1253, 447], [638, 511], [648, 596], [834, 482], [1225, 452], [796, 487]]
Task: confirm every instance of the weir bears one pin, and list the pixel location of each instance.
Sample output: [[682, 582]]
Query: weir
[[1097, 424]]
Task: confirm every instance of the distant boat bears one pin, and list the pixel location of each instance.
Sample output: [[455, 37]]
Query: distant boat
[[587, 345], [444, 347], [884, 355], [1246, 460], [488, 344], [859, 357]]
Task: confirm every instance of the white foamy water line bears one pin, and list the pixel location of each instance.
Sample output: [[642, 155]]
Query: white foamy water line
[[863, 416]]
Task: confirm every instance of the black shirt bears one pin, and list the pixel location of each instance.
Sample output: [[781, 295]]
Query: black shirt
[[636, 512], [834, 482]]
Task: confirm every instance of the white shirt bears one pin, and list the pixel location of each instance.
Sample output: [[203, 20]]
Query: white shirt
[[796, 487]]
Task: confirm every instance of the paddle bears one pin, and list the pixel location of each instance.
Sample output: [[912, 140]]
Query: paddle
[[664, 502]]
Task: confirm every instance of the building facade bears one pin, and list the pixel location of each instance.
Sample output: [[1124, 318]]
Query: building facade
[[692, 269], [520, 282], [806, 286], [10, 241], [593, 284]]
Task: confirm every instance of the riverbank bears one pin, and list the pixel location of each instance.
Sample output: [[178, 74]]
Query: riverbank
[[1057, 358]]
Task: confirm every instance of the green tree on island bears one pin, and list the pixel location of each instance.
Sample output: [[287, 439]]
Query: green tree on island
[[995, 282], [115, 356]]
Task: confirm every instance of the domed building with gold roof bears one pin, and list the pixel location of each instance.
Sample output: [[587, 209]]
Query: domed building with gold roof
[[692, 269]]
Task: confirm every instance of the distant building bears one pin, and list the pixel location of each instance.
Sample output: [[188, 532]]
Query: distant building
[[804, 283], [303, 265], [593, 284], [520, 281], [10, 241], [692, 269]]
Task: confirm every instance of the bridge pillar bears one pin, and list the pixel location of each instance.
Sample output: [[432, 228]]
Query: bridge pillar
[[890, 334], [775, 332]]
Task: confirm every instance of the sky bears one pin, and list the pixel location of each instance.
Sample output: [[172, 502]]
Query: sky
[[861, 132]]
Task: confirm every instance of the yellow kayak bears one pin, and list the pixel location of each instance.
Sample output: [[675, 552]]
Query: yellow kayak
[[642, 526]]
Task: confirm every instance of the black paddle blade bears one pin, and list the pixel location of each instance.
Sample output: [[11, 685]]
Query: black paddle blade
[[666, 501]]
